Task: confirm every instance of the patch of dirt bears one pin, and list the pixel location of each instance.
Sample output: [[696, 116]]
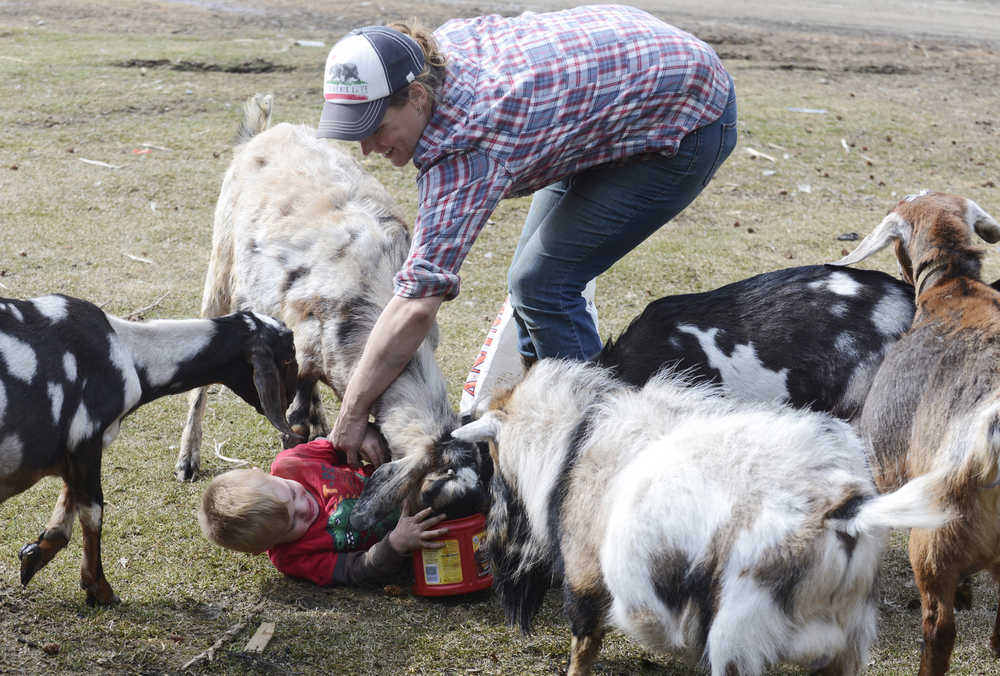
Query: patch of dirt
[[251, 66]]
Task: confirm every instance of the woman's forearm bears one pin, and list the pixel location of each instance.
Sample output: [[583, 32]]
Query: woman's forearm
[[402, 326]]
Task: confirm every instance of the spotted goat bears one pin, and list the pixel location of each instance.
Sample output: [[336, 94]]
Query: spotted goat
[[69, 374], [934, 405], [303, 233], [743, 534], [810, 336]]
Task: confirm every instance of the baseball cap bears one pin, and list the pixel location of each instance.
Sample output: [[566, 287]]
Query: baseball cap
[[362, 70]]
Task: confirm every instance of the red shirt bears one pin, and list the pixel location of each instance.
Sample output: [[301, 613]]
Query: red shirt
[[336, 487]]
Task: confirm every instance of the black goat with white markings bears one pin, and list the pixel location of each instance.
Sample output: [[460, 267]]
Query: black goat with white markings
[[69, 374], [810, 336]]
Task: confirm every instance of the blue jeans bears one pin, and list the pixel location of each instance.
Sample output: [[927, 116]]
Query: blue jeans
[[579, 227]]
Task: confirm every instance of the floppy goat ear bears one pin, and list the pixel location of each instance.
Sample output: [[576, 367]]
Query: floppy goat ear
[[980, 221], [486, 428], [385, 490], [892, 227]]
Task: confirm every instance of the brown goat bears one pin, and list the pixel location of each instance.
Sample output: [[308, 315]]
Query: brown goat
[[935, 401]]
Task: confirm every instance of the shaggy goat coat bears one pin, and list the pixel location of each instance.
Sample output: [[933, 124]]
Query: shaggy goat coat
[[304, 233], [742, 534]]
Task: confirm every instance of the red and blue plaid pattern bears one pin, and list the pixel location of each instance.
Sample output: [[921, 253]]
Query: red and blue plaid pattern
[[529, 100]]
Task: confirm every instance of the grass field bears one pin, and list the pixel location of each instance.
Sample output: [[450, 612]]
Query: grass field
[[152, 92]]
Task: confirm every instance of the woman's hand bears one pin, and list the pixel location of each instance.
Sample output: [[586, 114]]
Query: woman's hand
[[353, 435], [397, 334], [415, 532]]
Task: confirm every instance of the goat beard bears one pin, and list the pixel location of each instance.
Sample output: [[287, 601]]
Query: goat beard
[[521, 574]]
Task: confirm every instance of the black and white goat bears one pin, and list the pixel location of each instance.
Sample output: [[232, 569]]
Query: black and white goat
[[934, 405], [743, 534], [69, 373], [303, 233], [810, 336]]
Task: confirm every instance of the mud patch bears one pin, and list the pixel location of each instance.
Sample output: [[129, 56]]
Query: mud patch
[[880, 69], [251, 66]]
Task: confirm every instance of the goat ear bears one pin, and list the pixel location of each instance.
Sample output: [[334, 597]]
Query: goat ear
[[384, 491], [892, 227], [980, 221], [486, 428], [271, 389]]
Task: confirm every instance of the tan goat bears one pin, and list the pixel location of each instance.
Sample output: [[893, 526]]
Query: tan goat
[[934, 402]]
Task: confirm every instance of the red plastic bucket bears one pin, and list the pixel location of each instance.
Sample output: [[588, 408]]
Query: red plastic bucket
[[460, 567]]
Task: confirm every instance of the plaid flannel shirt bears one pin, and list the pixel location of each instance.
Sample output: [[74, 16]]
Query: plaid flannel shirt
[[532, 99]]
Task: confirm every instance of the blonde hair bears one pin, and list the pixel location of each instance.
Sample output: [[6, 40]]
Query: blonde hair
[[432, 76], [236, 513]]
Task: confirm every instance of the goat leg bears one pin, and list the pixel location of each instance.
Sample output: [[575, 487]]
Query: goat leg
[[305, 415], [583, 653], [35, 555], [995, 637], [937, 594], [92, 578], [189, 456]]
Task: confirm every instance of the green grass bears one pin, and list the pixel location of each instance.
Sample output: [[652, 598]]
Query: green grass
[[69, 93]]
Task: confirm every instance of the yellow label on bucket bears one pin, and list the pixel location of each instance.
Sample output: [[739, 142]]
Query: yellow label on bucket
[[443, 566]]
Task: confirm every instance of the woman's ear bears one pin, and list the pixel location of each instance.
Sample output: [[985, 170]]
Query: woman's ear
[[419, 97]]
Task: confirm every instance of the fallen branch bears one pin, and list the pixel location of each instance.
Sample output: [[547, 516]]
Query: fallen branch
[[233, 461], [99, 164], [757, 153], [209, 654], [135, 314]]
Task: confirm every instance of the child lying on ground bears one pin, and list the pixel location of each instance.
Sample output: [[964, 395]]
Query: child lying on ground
[[299, 514]]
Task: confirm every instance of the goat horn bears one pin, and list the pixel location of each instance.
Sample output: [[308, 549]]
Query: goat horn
[[892, 227], [984, 224], [486, 428]]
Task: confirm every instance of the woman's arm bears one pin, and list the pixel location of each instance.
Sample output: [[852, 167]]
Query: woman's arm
[[402, 326]]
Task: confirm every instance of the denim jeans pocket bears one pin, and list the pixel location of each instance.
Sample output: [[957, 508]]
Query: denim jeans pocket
[[727, 141]]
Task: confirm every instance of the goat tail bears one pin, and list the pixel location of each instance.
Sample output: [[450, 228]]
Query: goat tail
[[256, 117], [916, 504], [977, 448]]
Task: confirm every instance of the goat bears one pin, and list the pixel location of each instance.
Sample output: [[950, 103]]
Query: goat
[[303, 233], [811, 336], [744, 533], [934, 405], [69, 374]]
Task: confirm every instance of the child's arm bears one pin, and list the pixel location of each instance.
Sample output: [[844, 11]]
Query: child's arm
[[387, 556]]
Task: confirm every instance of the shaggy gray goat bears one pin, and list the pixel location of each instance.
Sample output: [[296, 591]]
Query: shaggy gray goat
[[303, 233], [934, 405], [69, 373], [741, 534]]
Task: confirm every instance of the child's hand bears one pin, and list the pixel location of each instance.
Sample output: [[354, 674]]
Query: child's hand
[[414, 532]]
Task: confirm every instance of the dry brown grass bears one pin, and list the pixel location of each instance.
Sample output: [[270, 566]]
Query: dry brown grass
[[913, 113]]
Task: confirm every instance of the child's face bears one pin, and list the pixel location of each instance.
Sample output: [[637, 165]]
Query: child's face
[[303, 509]]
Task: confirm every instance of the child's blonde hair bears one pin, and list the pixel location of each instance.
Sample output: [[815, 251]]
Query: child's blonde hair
[[235, 513]]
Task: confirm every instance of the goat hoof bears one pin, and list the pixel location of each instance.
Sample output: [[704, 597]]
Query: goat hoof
[[31, 561], [185, 472], [100, 594]]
